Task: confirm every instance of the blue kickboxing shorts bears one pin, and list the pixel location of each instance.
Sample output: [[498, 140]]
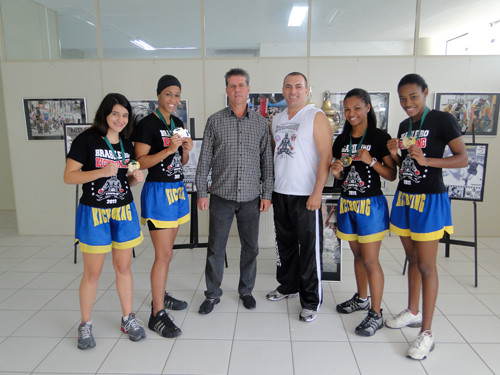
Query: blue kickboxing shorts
[[363, 220], [165, 204], [423, 217], [100, 229]]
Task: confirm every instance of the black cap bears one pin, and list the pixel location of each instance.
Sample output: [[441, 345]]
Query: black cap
[[166, 81]]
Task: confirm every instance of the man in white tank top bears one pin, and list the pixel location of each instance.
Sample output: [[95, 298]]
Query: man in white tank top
[[302, 158]]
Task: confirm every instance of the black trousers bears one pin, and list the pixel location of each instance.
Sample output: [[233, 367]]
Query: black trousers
[[299, 245]]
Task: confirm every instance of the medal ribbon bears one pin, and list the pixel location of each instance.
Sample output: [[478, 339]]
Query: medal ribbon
[[421, 122], [359, 144], [170, 128], [113, 150]]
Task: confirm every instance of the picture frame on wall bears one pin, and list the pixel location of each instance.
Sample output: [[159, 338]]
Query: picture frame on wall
[[268, 104], [71, 131], [142, 108], [471, 109], [332, 245], [380, 103], [468, 183], [45, 118]]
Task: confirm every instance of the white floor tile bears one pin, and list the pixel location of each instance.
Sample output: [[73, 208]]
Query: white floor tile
[[385, 358], [212, 357], [145, 357], [66, 358], [477, 329], [24, 353], [262, 326], [323, 358], [29, 299], [216, 325], [465, 360], [489, 354], [274, 358], [49, 324], [461, 304], [326, 327]]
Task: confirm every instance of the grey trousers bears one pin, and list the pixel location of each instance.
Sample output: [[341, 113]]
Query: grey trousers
[[222, 212]]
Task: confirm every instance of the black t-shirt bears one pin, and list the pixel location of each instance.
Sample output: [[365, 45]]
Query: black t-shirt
[[91, 150], [438, 129], [153, 132], [361, 180]]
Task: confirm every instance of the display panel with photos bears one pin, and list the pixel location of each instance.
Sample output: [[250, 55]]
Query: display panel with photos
[[142, 108], [467, 183], [71, 131], [380, 103], [45, 118], [471, 109], [268, 104], [332, 245], [191, 165]]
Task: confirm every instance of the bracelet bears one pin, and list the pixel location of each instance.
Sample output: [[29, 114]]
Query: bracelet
[[374, 160]]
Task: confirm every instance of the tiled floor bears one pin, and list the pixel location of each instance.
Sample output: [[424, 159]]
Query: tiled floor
[[39, 313]]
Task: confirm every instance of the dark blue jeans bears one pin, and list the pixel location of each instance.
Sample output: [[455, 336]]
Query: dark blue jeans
[[222, 212]]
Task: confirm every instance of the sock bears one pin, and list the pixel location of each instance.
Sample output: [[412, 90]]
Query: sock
[[125, 319]]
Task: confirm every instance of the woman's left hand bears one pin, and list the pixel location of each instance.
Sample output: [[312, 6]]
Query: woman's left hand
[[138, 175], [187, 144]]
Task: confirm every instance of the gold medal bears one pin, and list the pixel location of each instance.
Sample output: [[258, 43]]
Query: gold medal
[[133, 166], [346, 160], [409, 141]]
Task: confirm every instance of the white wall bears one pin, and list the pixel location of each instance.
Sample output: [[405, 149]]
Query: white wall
[[45, 205]]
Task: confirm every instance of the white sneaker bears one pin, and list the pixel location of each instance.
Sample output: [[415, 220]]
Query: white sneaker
[[307, 315], [277, 296], [405, 319], [422, 346]]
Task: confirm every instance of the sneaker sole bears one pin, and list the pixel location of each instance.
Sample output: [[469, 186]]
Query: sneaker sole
[[83, 347], [412, 325], [424, 356], [365, 333], [293, 295], [307, 319]]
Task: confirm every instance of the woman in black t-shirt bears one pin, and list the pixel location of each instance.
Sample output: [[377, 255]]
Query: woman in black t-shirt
[[163, 148], [421, 210], [106, 220], [362, 214]]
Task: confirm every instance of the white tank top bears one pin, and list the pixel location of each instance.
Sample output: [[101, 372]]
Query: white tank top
[[295, 155]]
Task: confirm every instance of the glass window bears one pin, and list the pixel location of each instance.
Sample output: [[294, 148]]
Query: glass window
[[49, 29], [254, 28], [460, 27], [150, 28], [362, 28]]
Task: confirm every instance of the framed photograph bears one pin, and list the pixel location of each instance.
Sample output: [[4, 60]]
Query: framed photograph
[[468, 183], [45, 118], [70, 133], [191, 165], [478, 110], [380, 102], [332, 245], [142, 108], [267, 104]]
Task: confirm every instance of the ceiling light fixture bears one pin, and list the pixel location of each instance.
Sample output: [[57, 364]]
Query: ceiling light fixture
[[142, 44], [297, 15]]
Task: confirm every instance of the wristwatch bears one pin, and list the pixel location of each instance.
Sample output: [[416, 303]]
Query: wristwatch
[[374, 160]]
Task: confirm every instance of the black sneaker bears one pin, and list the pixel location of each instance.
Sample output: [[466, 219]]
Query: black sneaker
[[371, 324], [208, 305], [353, 304], [171, 303], [163, 325]]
